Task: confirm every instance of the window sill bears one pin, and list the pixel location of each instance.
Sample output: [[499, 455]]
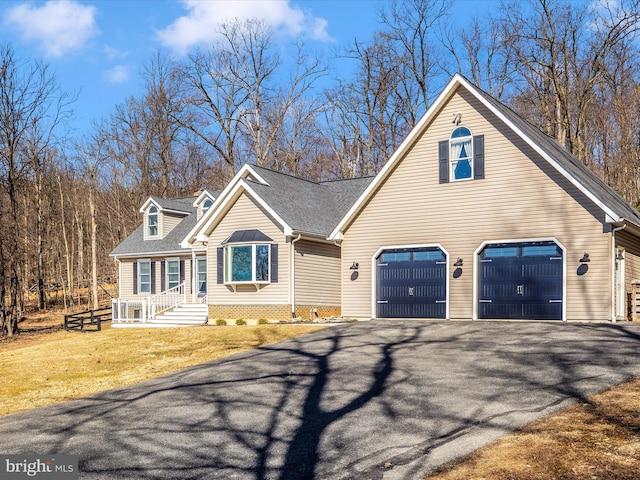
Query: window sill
[[234, 285]]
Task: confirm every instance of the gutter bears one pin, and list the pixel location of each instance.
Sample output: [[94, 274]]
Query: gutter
[[613, 271], [292, 291]]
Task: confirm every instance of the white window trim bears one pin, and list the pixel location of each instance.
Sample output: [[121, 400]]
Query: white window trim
[[452, 177], [198, 273], [227, 266], [148, 226], [139, 283], [166, 272]]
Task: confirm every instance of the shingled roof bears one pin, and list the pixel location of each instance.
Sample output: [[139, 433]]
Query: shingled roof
[[306, 206], [135, 245]]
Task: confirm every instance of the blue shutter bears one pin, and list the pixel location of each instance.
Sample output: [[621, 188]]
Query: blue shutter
[[220, 271], [153, 278], [181, 271], [163, 276], [478, 157], [135, 278], [274, 263], [443, 156]]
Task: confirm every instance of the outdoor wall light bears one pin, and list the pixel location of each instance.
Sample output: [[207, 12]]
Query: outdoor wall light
[[354, 266], [585, 258], [458, 262], [619, 255]]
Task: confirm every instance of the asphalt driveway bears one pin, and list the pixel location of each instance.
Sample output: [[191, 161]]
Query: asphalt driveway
[[372, 400]]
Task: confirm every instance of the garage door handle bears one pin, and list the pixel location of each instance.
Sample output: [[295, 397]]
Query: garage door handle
[[441, 301], [486, 301], [383, 301], [555, 301], [383, 264]]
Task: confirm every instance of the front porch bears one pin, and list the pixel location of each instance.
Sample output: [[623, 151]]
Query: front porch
[[171, 308]]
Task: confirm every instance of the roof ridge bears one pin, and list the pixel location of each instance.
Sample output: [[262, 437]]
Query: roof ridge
[[285, 174]]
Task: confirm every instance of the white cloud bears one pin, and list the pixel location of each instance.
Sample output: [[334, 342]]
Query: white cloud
[[117, 74], [58, 25], [198, 26], [114, 54]]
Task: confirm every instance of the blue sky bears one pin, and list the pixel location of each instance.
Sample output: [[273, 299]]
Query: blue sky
[[97, 47]]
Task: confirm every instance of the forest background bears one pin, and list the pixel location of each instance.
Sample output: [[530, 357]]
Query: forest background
[[68, 198]]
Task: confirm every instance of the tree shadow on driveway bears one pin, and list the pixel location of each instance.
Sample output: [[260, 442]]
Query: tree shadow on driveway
[[374, 400]]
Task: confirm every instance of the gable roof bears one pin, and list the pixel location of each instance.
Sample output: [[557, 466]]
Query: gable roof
[[298, 205], [615, 207], [135, 245]]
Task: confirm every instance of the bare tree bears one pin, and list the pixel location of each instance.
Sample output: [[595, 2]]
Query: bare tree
[[31, 108]]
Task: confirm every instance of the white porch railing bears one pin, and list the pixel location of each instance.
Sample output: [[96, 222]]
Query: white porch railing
[[148, 308]]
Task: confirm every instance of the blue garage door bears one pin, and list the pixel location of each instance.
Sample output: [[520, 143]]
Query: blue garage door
[[521, 281], [412, 283]]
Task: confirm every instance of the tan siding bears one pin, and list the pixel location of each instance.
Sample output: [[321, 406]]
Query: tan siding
[[244, 214], [317, 268], [518, 199], [631, 245], [168, 221], [127, 280]]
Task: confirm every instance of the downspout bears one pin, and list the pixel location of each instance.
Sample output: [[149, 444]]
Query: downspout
[[613, 271], [292, 293]]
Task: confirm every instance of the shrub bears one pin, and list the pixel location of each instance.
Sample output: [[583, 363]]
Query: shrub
[[241, 321], [263, 321], [221, 322]]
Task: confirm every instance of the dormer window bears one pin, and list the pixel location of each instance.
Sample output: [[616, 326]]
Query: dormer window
[[461, 154], [206, 205], [152, 221]]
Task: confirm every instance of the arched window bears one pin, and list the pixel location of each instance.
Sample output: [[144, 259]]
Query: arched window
[[461, 154], [152, 221], [206, 205]]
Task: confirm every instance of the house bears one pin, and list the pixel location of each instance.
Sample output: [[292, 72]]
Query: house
[[154, 270], [259, 249], [479, 215]]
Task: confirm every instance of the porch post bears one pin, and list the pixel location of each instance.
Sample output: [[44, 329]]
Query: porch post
[[194, 277]]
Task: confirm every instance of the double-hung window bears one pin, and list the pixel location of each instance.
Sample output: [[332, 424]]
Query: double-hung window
[[202, 275], [144, 276], [173, 273], [247, 263], [152, 222]]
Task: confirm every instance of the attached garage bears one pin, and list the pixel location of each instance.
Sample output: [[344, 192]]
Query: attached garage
[[521, 281], [411, 283]]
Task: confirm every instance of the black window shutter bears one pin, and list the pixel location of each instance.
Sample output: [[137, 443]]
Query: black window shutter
[[153, 278], [443, 155], [220, 271], [135, 278], [163, 275], [478, 156], [274, 263], [181, 271]]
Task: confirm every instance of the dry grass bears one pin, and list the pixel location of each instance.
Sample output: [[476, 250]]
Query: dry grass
[[49, 365], [599, 439]]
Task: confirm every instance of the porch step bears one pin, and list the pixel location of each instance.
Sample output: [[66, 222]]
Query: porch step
[[187, 314]]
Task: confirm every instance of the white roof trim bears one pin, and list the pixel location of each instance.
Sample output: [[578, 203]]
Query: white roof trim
[[539, 150], [148, 203], [160, 208], [244, 172], [202, 197], [456, 81], [203, 232]]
